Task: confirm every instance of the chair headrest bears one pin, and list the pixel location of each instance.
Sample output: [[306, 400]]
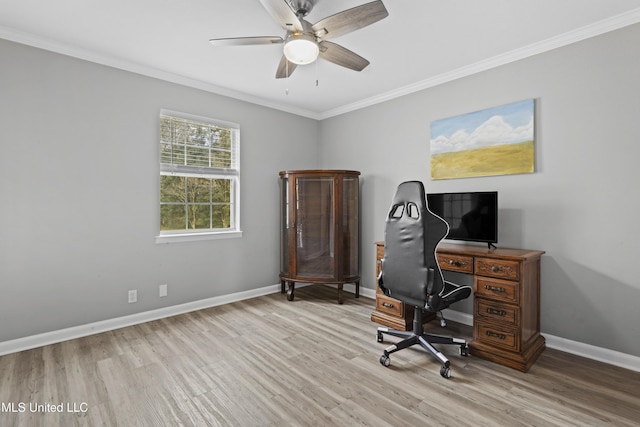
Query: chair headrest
[[411, 192]]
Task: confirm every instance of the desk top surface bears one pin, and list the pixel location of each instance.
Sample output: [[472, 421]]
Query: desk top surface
[[483, 251]]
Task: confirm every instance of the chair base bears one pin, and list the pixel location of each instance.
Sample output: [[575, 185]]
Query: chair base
[[426, 341]]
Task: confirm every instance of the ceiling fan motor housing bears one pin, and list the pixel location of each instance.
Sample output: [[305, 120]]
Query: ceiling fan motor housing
[[302, 7]]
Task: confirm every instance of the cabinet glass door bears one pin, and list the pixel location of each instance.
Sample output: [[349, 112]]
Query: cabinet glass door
[[314, 212]]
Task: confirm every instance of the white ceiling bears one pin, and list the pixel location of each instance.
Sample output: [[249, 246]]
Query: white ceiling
[[420, 44]]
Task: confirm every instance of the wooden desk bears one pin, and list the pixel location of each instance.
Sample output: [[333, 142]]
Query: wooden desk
[[506, 309]]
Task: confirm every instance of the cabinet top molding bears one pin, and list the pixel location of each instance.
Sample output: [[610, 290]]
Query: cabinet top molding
[[318, 172]]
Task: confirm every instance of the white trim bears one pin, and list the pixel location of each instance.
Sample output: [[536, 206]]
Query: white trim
[[196, 118], [365, 292], [600, 354], [589, 351], [197, 237], [606, 25], [53, 337], [604, 355], [610, 24], [22, 37], [459, 317]]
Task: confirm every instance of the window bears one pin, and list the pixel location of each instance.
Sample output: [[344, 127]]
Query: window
[[199, 178]]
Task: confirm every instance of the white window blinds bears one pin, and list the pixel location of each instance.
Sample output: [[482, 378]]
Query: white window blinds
[[190, 144]]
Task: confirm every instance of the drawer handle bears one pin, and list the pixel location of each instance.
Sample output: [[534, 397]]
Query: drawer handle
[[496, 312], [494, 288], [495, 269], [388, 305], [456, 263], [494, 335]]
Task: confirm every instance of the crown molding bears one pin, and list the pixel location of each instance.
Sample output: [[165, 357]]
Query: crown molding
[[17, 36], [614, 23], [606, 25]]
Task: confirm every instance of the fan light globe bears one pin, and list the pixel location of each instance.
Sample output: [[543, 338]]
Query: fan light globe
[[301, 49]]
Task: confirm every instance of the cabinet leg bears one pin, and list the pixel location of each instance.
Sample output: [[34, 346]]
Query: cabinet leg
[[357, 288], [340, 300], [282, 291], [292, 286]]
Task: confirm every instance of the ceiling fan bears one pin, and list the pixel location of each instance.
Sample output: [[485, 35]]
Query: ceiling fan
[[304, 42]]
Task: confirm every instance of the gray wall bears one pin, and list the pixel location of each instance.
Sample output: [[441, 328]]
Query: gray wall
[[79, 186], [581, 204]]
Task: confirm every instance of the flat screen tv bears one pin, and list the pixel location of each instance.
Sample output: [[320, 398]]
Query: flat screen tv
[[472, 216]]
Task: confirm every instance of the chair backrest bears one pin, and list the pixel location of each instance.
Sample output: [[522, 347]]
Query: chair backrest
[[412, 233]]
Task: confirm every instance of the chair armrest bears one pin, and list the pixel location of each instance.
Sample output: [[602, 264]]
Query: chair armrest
[[453, 292], [430, 276], [381, 284]]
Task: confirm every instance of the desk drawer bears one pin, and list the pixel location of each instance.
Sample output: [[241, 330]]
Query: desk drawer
[[497, 290], [389, 305], [498, 268], [496, 313], [461, 263], [507, 338]]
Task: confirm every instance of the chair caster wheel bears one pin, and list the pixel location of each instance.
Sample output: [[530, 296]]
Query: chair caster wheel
[[385, 361], [464, 350], [445, 372], [380, 337]]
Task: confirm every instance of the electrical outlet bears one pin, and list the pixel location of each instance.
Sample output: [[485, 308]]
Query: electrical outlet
[[163, 290], [133, 296]]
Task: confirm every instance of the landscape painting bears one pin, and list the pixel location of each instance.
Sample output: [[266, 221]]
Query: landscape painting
[[495, 141]]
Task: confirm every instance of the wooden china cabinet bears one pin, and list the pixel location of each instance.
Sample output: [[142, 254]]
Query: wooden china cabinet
[[319, 229]]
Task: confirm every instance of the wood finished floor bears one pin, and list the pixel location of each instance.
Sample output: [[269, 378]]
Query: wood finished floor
[[309, 362]]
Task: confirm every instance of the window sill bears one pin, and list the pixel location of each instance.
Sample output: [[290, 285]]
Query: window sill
[[196, 237]]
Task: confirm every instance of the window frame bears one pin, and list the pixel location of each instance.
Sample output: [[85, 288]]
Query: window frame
[[232, 173]]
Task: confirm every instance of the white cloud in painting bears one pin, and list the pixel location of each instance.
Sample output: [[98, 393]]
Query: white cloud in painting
[[494, 131]]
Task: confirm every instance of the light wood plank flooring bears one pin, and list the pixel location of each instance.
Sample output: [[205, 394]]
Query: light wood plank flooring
[[309, 362]]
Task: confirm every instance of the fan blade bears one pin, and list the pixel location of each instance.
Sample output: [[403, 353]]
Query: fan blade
[[284, 70], [282, 13], [342, 56], [246, 41], [350, 20]]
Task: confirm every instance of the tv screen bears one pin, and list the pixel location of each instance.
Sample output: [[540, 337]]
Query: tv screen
[[471, 216]]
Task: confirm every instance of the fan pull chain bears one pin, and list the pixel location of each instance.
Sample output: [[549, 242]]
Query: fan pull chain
[[317, 73]]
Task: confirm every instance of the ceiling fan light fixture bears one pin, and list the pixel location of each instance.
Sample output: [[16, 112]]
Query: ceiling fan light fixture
[[301, 49]]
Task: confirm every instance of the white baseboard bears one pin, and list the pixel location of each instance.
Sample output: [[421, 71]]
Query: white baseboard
[[365, 292], [34, 341], [605, 355], [600, 354]]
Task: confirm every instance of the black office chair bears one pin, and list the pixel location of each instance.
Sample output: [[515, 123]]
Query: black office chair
[[410, 271]]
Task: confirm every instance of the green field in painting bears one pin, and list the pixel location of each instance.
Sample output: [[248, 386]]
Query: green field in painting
[[496, 160]]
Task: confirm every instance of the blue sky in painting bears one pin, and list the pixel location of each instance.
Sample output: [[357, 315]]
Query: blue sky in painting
[[505, 124]]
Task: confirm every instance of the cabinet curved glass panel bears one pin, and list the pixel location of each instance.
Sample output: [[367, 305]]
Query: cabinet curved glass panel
[[319, 223]]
